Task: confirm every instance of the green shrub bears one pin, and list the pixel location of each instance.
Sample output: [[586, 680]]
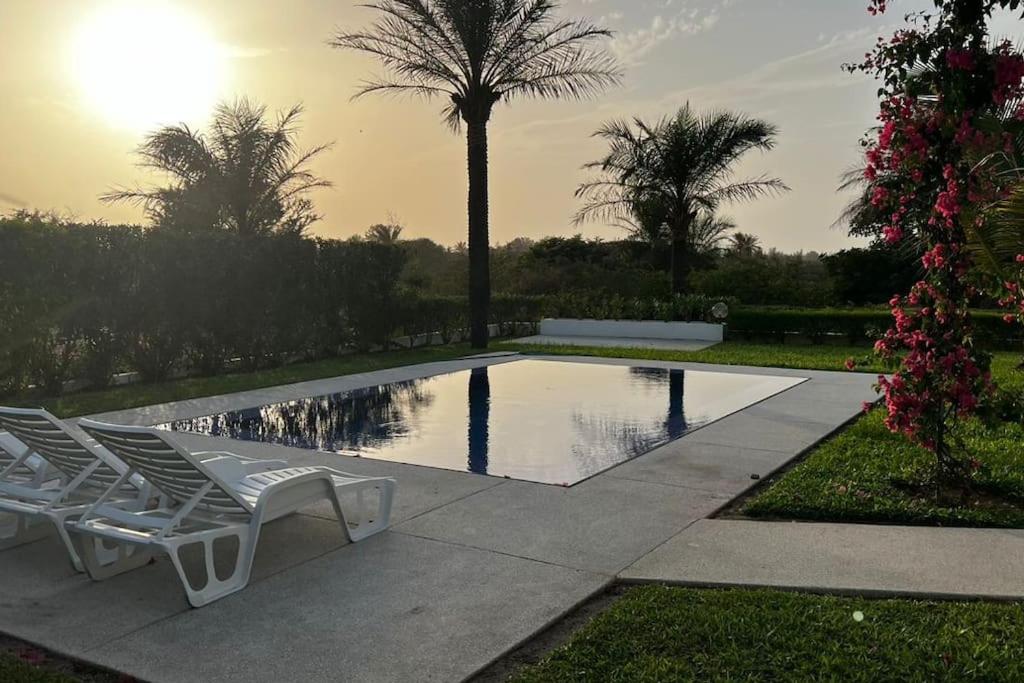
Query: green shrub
[[851, 325]]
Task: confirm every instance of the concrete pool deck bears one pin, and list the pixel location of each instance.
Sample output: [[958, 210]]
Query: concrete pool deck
[[472, 566]]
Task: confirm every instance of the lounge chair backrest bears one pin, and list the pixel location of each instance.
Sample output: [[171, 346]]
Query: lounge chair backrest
[[167, 466], [56, 443]]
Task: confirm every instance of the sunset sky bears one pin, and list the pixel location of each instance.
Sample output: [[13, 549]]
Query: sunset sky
[[82, 80]]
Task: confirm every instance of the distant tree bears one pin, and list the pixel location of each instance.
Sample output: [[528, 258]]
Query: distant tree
[[679, 166], [709, 232], [245, 175], [745, 244], [474, 54], [384, 233]]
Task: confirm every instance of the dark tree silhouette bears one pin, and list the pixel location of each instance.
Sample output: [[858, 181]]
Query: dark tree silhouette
[[474, 54], [683, 164], [246, 174]]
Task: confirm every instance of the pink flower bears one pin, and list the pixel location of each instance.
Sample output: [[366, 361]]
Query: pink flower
[[960, 60]]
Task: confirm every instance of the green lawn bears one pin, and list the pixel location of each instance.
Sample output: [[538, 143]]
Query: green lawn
[[132, 396], [868, 474], [729, 353], [15, 669], [675, 634]]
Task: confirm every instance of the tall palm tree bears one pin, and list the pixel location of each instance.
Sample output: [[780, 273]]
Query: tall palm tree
[[745, 244], [683, 163], [474, 54], [246, 174]]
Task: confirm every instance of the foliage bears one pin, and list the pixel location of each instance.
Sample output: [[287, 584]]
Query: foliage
[[657, 633], [245, 175], [870, 276], [942, 91], [473, 55], [680, 307], [86, 301], [772, 279], [669, 172], [850, 325]]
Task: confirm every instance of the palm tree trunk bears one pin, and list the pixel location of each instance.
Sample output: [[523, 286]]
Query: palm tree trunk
[[681, 255], [479, 240]]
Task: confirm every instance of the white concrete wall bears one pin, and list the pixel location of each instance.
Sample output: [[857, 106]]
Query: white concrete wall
[[632, 329]]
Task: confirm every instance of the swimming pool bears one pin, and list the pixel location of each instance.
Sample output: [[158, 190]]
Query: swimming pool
[[546, 421]]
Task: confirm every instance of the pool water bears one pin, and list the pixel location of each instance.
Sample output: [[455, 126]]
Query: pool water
[[544, 421]]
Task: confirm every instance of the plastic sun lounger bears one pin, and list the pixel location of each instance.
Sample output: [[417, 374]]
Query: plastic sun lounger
[[33, 469], [86, 471], [33, 472], [207, 504], [51, 472]]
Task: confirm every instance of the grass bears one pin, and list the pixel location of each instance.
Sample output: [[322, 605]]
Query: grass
[[729, 353], [16, 670], [868, 474], [675, 634], [135, 395]]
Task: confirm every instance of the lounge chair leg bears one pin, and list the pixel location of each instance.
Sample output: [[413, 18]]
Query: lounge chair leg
[[16, 530], [362, 521], [101, 562], [215, 588]]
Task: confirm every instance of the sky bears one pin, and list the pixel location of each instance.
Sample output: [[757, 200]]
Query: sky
[[83, 80]]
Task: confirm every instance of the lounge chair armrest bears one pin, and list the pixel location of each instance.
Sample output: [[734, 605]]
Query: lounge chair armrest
[[232, 468]]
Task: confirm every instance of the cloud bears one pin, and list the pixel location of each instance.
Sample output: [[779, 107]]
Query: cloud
[[632, 46]]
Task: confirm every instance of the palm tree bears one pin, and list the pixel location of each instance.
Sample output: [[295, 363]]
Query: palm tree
[[709, 232], [745, 244], [474, 54], [683, 163], [245, 175], [384, 233]]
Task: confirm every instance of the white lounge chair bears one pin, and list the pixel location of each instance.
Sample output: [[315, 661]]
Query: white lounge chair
[[87, 471], [31, 471], [207, 504], [51, 472], [34, 469]]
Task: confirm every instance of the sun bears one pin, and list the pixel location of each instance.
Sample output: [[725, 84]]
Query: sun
[[144, 64]]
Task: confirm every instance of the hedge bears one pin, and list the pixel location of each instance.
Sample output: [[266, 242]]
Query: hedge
[[853, 325], [84, 302]]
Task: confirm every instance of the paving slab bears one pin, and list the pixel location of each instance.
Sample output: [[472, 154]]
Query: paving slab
[[744, 430], [42, 599], [601, 525], [855, 558], [615, 342], [726, 470], [392, 608]]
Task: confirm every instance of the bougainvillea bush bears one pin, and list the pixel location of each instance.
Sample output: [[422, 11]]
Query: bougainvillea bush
[[945, 90]]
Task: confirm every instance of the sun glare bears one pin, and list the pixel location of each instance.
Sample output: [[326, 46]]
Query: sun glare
[[142, 64]]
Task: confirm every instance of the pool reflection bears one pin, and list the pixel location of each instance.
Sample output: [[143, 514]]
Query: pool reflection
[[545, 421]]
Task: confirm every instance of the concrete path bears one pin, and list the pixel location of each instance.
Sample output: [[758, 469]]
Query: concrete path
[[615, 342], [472, 566], [853, 558]]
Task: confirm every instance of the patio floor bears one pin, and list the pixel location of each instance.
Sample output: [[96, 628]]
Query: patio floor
[[472, 566]]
